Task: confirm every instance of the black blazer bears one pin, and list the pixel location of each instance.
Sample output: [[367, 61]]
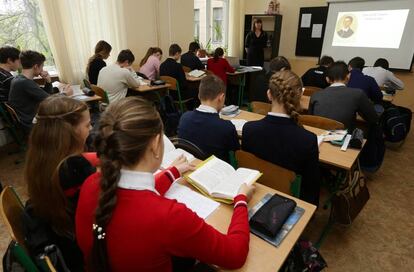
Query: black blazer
[[281, 141], [190, 60], [94, 67], [173, 69]]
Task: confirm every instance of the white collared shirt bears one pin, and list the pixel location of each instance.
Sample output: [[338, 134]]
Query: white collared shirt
[[207, 109], [277, 114], [135, 180], [337, 84]]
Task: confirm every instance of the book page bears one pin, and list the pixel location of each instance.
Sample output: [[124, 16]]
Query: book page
[[168, 145], [238, 123], [211, 174], [171, 156], [244, 175], [201, 205]]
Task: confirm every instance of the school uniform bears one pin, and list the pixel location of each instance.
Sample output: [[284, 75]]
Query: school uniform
[[146, 229], [170, 67], [220, 67], [5, 80], [25, 97], [341, 103], [279, 140], [190, 60], [316, 77], [209, 132], [94, 68], [366, 83], [151, 68], [383, 77]]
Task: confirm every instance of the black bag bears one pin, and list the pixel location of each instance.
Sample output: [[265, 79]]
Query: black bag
[[169, 115], [396, 123], [10, 262], [350, 199], [304, 257], [372, 155], [272, 215]]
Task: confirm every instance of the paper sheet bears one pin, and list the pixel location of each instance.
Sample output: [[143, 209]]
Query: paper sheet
[[306, 20], [317, 30], [238, 123], [196, 202]]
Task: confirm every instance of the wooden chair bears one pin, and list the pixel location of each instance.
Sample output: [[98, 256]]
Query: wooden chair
[[12, 210], [274, 176], [320, 122], [190, 147], [260, 107], [100, 92], [310, 90], [176, 87], [186, 69], [12, 122]]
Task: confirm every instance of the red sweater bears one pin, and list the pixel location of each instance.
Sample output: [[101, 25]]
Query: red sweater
[[146, 229], [220, 68]]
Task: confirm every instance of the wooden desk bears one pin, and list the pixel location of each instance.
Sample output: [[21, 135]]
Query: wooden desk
[[262, 255], [148, 88], [87, 99], [328, 153]]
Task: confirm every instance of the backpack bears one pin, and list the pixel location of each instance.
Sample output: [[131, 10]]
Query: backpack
[[396, 123], [372, 154], [169, 115]]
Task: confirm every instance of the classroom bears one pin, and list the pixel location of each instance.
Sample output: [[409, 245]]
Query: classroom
[[206, 135]]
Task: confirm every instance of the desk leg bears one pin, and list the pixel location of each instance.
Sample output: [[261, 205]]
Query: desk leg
[[242, 83]]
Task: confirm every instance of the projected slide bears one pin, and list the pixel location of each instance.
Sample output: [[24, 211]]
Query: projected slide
[[377, 29]]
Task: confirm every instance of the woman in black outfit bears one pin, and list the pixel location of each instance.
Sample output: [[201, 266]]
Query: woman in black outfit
[[96, 62], [255, 43]]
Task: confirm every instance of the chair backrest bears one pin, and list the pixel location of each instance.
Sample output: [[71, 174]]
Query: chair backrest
[[274, 176], [100, 92], [320, 122], [12, 210], [172, 81], [12, 113], [260, 107], [186, 69], [189, 147], [309, 90]]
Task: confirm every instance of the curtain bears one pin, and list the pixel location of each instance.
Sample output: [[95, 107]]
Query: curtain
[[236, 28], [74, 27]]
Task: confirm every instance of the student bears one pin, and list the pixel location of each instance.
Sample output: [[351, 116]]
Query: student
[[219, 65], [9, 62], [280, 63], [190, 58], [57, 141], [316, 77], [96, 62], [204, 127], [279, 139], [363, 82], [150, 64], [116, 78], [25, 94], [170, 67], [135, 226], [380, 72], [340, 102]]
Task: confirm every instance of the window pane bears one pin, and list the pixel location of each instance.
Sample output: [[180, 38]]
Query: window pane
[[217, 25], [197, 24], [21, 26]]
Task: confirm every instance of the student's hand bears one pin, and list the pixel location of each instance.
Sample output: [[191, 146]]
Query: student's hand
[[182, 164], [67, 90], [45, 75], [247, 190]]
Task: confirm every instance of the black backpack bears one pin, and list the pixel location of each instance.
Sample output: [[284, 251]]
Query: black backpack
[[396, 123], [169, 115]]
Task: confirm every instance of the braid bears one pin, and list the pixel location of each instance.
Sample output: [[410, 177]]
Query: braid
[[285, 87]]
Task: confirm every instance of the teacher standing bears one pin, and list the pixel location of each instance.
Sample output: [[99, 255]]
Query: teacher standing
[[256, 41]]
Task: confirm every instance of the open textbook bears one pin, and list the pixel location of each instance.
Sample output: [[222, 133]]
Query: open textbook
[[171, 153], [219, 180]]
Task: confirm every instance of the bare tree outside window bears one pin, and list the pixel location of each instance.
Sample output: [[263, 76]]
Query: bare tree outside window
[[21, 26]]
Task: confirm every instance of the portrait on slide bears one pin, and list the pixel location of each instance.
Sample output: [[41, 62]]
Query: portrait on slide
[[346, 26]]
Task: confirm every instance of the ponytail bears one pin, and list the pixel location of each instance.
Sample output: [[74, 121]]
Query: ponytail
[[101, 48]]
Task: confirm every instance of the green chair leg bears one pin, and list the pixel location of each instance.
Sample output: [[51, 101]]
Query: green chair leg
[[233, 160], [24, 259], [295, 186]]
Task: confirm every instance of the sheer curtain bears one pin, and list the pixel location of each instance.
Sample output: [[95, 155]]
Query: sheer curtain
[[75, 26]]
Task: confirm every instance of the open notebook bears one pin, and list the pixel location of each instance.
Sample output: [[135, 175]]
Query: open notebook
[[171, 153], [218, 179]]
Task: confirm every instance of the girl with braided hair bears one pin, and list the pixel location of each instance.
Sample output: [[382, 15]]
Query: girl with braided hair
[[54, 170], [123, 220], [279, 139]]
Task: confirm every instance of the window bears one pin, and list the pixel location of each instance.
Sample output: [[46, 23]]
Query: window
[[217, 28], [197, 24], [212, 23], [21, 26]]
